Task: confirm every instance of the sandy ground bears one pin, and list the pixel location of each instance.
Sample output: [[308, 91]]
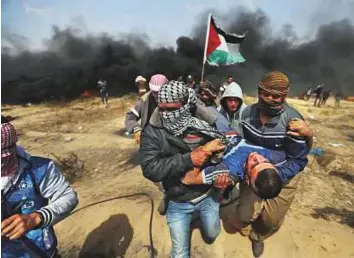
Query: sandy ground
[[319, 224]]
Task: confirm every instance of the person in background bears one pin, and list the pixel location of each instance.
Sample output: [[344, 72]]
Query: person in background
[[267, 124], [144, 107], [191, 84], [208, 96], [224, 86], [338, 98], [326, 94], [34, 197], [140, 83], [308, 93], [318, 92], [231, 106], [180, 79], [102, 85]]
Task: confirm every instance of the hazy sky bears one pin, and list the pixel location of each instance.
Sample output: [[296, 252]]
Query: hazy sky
[[164, 21]]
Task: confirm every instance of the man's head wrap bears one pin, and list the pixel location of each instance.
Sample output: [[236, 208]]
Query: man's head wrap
[[157, 81], [9, 139], [177, 121], [275, 83], [140, 78]]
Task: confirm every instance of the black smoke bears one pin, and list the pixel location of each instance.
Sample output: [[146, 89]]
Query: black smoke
[[73, 62]]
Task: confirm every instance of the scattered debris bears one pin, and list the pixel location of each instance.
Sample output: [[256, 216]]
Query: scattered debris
[[65, 129], [335, 144], [317, 152], [311, 117], [71, 166], [69, 139], [78, 108]]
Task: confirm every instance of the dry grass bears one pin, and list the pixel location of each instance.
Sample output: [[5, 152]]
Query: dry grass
[[326, 189]]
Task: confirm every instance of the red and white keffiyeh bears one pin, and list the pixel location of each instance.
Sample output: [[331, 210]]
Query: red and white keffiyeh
[[9, 139]]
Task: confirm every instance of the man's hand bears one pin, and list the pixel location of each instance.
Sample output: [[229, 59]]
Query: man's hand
[[222, 181], [192, 177], [137, 136], [17, 225], [200, 156], [214, 146], [298, 127]]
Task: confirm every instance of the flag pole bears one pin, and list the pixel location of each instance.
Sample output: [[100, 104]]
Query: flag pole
[[205, 47]]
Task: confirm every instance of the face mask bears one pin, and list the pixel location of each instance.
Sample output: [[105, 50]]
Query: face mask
[[9, 165], [271, 108]]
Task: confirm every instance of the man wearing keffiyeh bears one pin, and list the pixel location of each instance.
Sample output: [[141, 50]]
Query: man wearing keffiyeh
[[34, 196], [180, 137]]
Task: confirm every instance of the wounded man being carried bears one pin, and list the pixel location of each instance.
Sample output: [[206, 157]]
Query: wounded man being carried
[[255, 165]]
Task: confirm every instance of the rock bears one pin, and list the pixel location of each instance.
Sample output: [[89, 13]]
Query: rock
[[69, 139]]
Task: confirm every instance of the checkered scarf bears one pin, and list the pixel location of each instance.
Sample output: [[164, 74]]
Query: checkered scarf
[[176, 122], [9, 138]]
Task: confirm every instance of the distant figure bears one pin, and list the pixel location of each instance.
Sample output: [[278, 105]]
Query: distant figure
[[318, 92], [308, 93], [338, 97], [325, 96], [224, 86], [141, 84], [191, 84], [180, 79], [144, 108], [102, 85]]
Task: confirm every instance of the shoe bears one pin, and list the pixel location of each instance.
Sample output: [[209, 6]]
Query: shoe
[[257, 248]]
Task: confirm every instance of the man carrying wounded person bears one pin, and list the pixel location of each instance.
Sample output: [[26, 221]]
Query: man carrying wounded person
[[267, 124], [177, 139]]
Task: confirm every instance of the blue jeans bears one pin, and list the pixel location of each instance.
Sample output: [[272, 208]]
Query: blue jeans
[[179, 216]]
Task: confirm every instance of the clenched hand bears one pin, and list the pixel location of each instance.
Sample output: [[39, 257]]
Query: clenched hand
[[214, 146], [298, 127], [222, 181], [17, 225], [137, 136]]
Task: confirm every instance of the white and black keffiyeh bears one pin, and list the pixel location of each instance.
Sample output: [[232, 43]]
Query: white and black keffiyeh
[[176, 122]]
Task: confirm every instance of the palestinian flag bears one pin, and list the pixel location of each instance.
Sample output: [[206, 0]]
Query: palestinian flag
[[222, 48]]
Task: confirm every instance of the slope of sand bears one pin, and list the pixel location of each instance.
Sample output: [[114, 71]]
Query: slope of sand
[[319, 224]]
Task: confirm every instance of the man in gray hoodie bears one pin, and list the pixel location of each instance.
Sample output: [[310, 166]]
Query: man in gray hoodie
[[231, 105]]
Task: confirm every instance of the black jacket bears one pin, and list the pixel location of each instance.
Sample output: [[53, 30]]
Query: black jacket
[[166, 158]]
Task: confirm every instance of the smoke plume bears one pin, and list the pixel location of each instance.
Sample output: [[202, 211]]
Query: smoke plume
[[73, 61]]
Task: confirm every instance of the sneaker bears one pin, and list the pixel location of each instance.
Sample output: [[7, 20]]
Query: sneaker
[[257, 248]]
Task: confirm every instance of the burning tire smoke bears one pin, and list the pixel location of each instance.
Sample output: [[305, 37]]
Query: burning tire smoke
[[72, 62]]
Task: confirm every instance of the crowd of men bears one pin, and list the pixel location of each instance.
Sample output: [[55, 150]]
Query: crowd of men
[[321, 95], [201, 142]]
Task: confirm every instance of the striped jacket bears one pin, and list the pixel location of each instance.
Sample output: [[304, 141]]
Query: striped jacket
[[37, 187], [272, 135]]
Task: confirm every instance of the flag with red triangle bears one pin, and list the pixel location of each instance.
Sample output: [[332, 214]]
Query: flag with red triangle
[[222, 48]]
